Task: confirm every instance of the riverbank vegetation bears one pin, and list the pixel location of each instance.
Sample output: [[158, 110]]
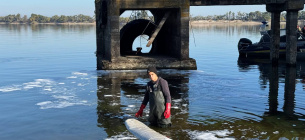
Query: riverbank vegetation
[[241, 16], [36, 18], [256, 16]]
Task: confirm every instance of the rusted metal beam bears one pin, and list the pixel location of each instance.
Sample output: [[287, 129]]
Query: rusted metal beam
[[154, 35]]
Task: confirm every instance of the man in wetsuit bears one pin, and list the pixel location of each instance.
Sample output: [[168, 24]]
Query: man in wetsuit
[[159, 98]]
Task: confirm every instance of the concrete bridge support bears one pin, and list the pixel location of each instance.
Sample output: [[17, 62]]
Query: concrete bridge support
[[291, 37], [292, 7], [170, 48], [275, 36]]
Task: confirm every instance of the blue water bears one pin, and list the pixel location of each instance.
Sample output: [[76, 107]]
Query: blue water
[[50, 88]]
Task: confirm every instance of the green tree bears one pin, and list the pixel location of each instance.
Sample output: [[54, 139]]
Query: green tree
[[25, 19], [9, 18], [63, 19], [266, 16], [54, 18], [33, 18]]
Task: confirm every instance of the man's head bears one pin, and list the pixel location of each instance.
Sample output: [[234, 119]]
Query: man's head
[[152, 73]]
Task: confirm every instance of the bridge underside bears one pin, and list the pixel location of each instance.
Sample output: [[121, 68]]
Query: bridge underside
[[170, 48]]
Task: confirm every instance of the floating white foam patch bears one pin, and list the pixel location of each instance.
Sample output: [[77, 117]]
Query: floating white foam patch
[[10, 88], [177, 100], [37, 83], [61, 95], [80, 84], [58, 104], [211, 135], [71, 77], [79, 73], [121, 137]]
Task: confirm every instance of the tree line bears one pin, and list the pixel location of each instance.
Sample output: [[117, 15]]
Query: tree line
[[36, 18], [252, 16]]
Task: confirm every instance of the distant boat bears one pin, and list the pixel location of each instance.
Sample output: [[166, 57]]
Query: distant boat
[[262, 48]]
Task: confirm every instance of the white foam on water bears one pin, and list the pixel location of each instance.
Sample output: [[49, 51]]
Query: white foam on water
[[63, 97], [72, 77], [10, 88], [80, 84], [121, 137], [37, 83], [210, 135], [131, 105], [276, 132], [79, 73], [175, 107], [59, 104], [177, 100], [114, 104], [47, 89]]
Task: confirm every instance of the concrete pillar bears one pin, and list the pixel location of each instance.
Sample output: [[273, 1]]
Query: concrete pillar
[[114, 29], [275, 10], [275, 37], [292, 7], [291, 37], [185, 19]]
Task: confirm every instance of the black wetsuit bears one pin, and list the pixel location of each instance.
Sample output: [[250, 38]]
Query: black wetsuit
[[157, 94]]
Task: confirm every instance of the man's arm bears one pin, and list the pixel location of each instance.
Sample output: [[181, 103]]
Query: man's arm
[[165, 90]]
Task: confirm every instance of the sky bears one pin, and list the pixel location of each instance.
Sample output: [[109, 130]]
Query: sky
[[86, 7]]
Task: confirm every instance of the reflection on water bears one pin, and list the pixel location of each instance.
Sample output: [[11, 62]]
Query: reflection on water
[[282, 74], [120, 94], [49, 88], [47, 27]]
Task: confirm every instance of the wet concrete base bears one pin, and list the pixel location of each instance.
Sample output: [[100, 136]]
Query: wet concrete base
[[132, 62]]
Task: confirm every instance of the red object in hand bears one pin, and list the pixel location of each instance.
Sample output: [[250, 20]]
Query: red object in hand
[[167, 112], [140, 112]]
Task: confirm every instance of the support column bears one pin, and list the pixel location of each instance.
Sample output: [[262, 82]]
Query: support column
[[291, 37], [292, 7], [275, 10], [114, 29], [184, 31], [275, 37]]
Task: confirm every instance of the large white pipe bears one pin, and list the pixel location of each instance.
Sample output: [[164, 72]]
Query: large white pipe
[[143, 132]]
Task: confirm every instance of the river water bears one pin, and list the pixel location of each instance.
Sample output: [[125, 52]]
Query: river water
[[50, 88]]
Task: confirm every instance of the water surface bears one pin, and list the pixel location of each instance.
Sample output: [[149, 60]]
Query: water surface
[[50, 88]]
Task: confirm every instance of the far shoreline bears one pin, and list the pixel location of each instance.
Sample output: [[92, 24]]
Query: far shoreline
[[67, 23], [227, 22], [195, 23]]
